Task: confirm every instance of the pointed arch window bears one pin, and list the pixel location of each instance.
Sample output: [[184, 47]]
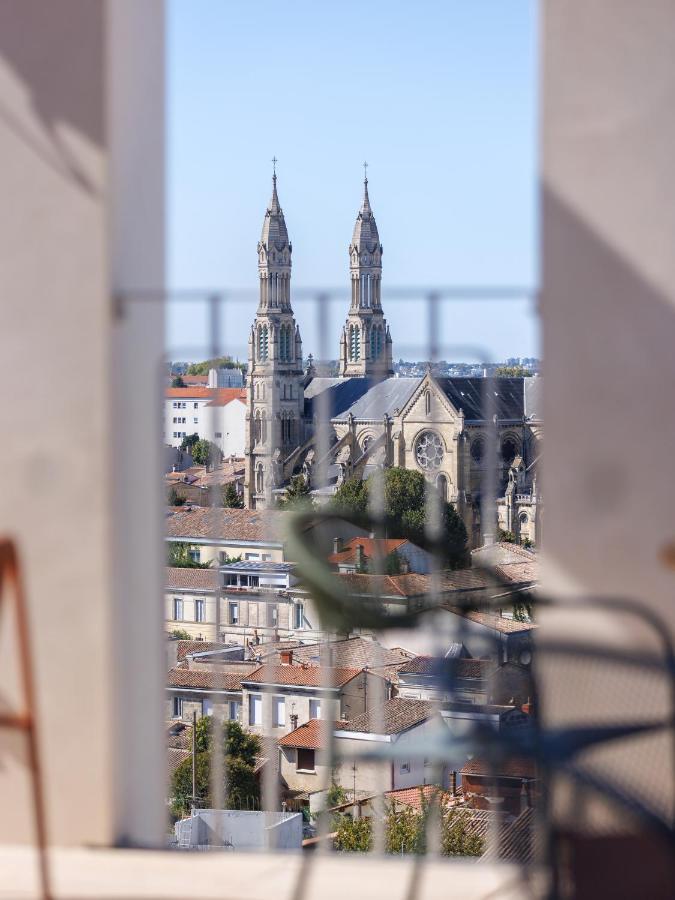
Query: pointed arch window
[[285, 342], [354, 343], [442, 488], [427, 403], [260, 479], [376, 342], [263, 343]]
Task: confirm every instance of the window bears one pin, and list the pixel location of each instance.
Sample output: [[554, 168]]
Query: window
[[477, 449], [177, 609], [305, 761], [266, 557], [207, 707], [233, 710], [405, 767], [278, 711], [233, 613], [255, 709], [175, 406], [196, 406], [195, 554], [272, 615], [195, 420], [200, 609], [251, 556], [354, 343], [442, 485], [427, 403], [376, 342], [428, 450], [177, 711], [218, 434], [314, 709], [263, 343], [298, 615], [509, 449]]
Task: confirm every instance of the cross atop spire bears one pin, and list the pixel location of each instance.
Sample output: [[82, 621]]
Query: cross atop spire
[[365, 172]]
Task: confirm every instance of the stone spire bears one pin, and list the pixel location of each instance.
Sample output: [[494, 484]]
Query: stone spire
[[365, 344], [275, 387]]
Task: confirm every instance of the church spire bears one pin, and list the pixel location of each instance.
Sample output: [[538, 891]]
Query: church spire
[[365, 346], [275, 399]]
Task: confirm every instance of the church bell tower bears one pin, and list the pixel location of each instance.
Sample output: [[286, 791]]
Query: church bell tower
[[275, 396], [365, 343]]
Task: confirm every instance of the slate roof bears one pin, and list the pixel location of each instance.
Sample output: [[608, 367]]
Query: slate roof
[[181, 579], [533, 398], [185, 523], [207, 678], [467, 394], [301, 676], [396, 715], [313, 735], [342, 393], [381, 397]]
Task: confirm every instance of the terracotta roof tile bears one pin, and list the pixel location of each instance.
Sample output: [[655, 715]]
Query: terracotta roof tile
[[355, 652], [197, 392], [393, 717], [186, 648], [208, 678], [313, 735], [184, 579], [495, 621], [223, 396], [178, 735], [185, 523], [516, 767], [413, 796], [455, 667], [175, 757], [371, 547], [301, 676]]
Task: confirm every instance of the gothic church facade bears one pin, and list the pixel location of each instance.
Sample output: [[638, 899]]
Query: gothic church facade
[[436, 425]]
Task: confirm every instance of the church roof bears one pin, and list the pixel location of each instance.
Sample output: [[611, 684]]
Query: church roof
[[381, 397], [342, 394], [365, 236], [533, 398], [274, 225], [467, 394]]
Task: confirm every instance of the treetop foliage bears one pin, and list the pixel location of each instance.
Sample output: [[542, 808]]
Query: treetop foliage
[[220, 362], [404, 512]]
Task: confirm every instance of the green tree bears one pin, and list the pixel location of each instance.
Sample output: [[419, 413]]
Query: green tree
[[180, 634], [229, 498], [405, 512], [174, 498], [220, 362], [205, 453], [405, 831], [506, 537], [354, 835], [189, 441], [335, 796], [298, 494], [239, 782], [236, 741], [457, 838], [351, 498], [178, 556], [512, 372], [177, 382]]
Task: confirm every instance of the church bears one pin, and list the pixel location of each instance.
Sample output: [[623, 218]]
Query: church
[[436, 425]]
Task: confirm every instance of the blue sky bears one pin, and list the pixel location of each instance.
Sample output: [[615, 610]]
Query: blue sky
[[439, 96]]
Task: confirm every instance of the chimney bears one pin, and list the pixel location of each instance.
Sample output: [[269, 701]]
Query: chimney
[[360, 557], [337, 545], [294, 721], [286, 657], [453, 782]]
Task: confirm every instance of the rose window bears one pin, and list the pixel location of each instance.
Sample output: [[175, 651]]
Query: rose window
[[428, 450]]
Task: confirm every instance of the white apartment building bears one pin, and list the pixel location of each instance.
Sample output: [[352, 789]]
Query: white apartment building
[[215, 414]]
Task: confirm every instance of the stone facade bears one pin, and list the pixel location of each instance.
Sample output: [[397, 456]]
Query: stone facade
[[443, 427]]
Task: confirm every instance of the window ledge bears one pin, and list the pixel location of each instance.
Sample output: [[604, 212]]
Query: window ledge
[[306, 771], [79, 873]]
